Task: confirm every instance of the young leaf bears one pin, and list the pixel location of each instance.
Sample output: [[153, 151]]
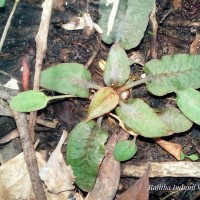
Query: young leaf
[[70, 78], [188, 101], [29, 101], [193, 157], [125, 150], [105, 100], [172, 73], [175, 120], [85, 151], [117, 69], [129, 24], [138, 116], [182, 156]]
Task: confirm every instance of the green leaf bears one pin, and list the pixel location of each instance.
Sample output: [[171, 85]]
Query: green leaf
[[29, 101], [105, 100], [139, 117], [182, 156], [2, 3], [70, 78], [125, 150], [130, 23], [193, 157], [189, 103], [175, 120], [172, 73], [85, 151], [117, 69]]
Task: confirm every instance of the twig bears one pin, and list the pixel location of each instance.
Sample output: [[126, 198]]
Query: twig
[[8, 24], [154, 42], [9, 75], [93, 56], [27, 145], [163, 169], [41, 47], [29, 155]]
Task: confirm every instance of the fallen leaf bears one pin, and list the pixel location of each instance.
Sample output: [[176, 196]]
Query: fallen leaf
[[77, 23], [122, 125], [15, 181], [172, 148], [195, 44], [10, 136], [176, 4], [63, 179], [139, 191], [4, 109]]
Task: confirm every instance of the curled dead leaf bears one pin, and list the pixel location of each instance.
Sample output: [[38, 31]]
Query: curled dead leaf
[[172, 148]]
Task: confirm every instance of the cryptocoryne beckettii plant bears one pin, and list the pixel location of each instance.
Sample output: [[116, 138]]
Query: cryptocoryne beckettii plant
[[173, 73]]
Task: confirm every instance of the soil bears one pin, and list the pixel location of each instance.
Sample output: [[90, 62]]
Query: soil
[[75, 46]]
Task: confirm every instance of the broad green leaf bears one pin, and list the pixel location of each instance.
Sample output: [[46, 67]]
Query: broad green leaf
[[188, 101], [138, 116], [175, 120], [117, 69], [29, 101], [193, 157], [172, 73], [70, 78], [105, 100], [130, 22], [2, 3], [125, 150], [85, 151]]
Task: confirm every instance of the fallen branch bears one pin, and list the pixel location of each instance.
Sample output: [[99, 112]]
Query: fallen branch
[[27, 146], [41, 47], [29, 155], [163, 169]]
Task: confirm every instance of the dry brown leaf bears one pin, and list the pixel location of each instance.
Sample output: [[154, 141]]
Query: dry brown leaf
[[15, 181], [56, 175], [139, 191], [176, 4], [122, 124], [4, 109], [172, 148], [195, 45], [10, 136]]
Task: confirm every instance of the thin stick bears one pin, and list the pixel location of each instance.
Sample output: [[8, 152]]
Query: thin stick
[[9, 75], [8, 25], [93, 56], [154, 26], [41, 47]]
